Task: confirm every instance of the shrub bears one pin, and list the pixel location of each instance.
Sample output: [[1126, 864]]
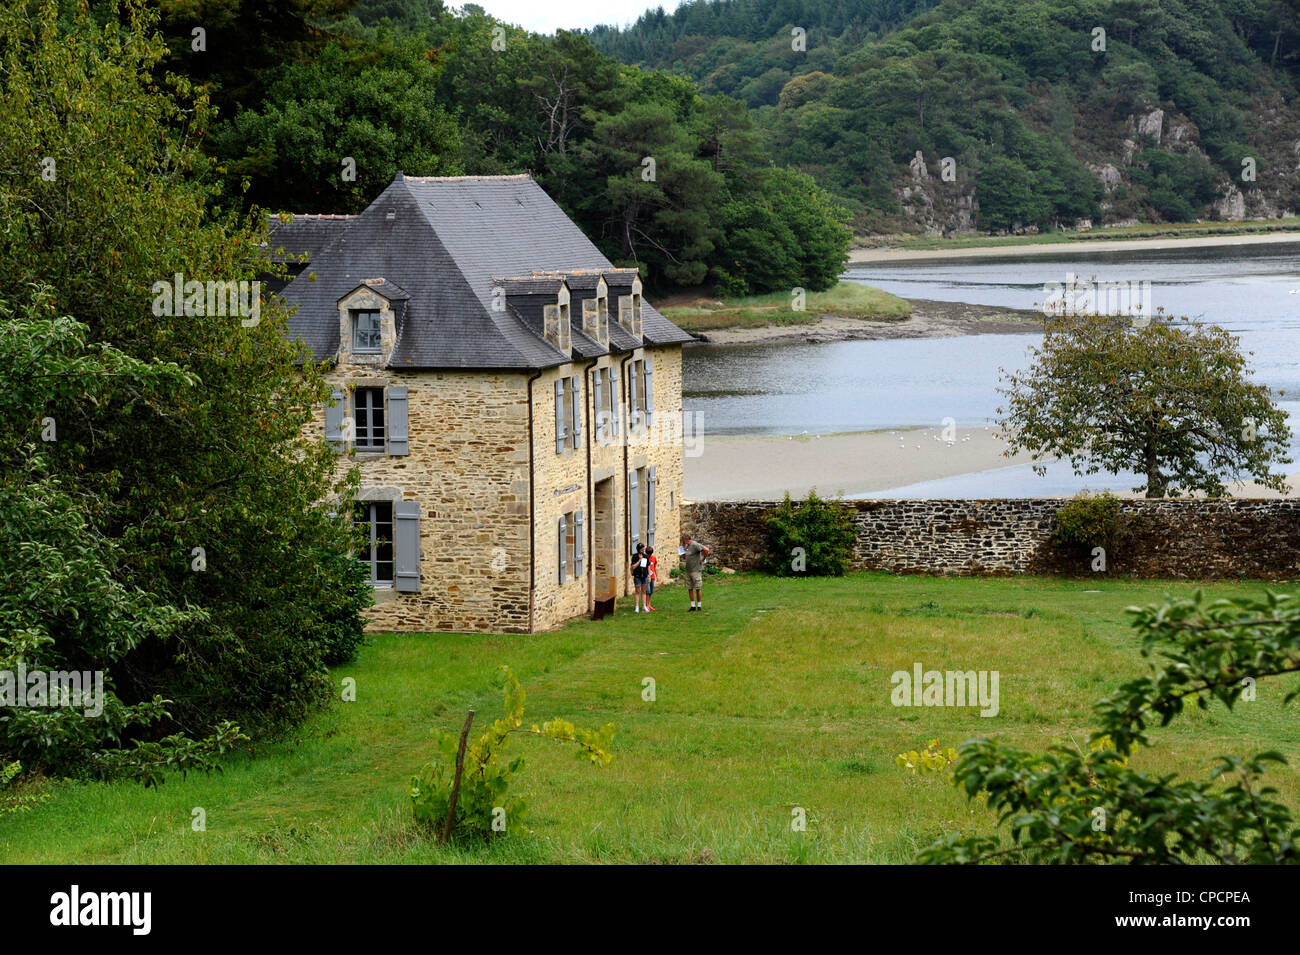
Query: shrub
[[16, 797], [814, 537], [1088, 521], [477, 799]]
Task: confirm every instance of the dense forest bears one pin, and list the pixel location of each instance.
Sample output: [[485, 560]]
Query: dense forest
[[1151, 110], [657, 174]]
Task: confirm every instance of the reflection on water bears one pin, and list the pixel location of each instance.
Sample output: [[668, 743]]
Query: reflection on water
[[1253, 291]]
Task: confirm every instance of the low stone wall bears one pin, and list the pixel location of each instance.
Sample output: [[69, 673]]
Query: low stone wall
[[1197, 539]]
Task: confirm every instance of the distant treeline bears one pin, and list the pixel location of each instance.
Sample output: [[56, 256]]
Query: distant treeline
[[657, 175], [1016, 91]]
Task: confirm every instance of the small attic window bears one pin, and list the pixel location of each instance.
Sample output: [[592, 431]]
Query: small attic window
[[391, 216], [365, 333]]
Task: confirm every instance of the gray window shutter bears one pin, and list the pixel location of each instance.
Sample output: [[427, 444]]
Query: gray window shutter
[[577, 411], [615, 397], [650, 508], [561, 433], [406, 530], [564, 547], [334, 409], [633, 416], [634, 510], [649, 391], [597, 402], [398, 429], [577, 546]]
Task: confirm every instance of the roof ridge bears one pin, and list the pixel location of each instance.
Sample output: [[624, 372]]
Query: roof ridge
[[516, 177], [313, 215]]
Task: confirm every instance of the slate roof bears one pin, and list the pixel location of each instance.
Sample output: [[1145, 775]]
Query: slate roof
[[303, 233], [447, 243]]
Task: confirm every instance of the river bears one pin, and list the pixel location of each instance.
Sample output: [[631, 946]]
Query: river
[[1253, 291]]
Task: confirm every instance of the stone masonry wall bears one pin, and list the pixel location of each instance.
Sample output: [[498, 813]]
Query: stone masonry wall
[[1195, 539], [468, 469]]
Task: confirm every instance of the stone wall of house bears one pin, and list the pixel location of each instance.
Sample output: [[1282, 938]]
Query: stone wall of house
[[567, 481], [1197, 539], [468, 469]]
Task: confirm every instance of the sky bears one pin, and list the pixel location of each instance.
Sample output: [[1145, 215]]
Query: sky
[[547, 16]]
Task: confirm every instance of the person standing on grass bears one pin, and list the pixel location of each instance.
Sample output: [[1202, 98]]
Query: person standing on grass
[[694, 554], [650, 580], [640, 574]]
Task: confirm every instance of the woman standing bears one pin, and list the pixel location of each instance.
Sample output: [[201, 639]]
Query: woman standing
[[640, 575]]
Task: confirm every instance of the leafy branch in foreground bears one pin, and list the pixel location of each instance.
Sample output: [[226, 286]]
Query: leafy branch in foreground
[[463, 791], [1069, 806]]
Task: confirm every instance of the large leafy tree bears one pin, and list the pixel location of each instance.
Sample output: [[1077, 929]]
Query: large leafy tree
[[102, 195], [1170, 399], [1075, 805], [331, 132]]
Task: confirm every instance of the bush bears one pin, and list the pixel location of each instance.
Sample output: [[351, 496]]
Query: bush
[[1088, 521], [814, 537], [483, 803]]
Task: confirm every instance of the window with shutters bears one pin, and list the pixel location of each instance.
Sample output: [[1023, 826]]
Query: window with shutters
[[633, 396], [365, 333], [571, 547], [640, 394], [605, 401], [368, 404], [575, 410], [375, 518]]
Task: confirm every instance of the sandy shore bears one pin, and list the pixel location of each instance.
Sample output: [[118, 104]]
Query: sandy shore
[[836, 464], [847, 465], [863, 256], [930, 319]]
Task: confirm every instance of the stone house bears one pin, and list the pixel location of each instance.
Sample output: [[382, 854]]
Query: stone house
[[512, 403]]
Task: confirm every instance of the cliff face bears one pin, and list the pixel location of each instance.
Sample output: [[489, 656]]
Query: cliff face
[[1127, 155]]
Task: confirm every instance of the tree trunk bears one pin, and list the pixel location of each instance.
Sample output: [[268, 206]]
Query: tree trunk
[[455, 785], [1156, 482]]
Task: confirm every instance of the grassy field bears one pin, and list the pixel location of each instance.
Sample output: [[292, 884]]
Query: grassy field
[[776, 697], [1172, 230], [845, 300]]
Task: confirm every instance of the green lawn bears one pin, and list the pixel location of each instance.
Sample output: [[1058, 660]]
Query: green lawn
[[843, 300], [777, 696]]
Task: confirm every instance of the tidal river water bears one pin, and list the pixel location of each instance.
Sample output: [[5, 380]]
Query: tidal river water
[[1253, 291]]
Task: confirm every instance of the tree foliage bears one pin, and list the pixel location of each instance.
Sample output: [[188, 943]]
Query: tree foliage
[[177, 437], [1011, 87], [1169, 399], [659, 177]]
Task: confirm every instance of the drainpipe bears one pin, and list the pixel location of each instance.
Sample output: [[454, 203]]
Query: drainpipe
[[590, 529], [532, 517], [627, 488]]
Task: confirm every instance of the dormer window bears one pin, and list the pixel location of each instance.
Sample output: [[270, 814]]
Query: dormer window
[[365, 333], [556, 322], [595, 317]]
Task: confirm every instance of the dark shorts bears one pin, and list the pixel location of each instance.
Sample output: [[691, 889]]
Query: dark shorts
[[639, 578], [649, 587]]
